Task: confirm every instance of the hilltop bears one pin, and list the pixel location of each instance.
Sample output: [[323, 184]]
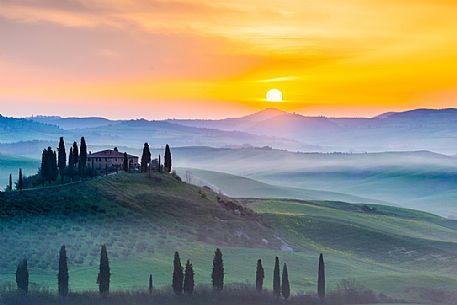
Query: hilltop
[[143, 220]]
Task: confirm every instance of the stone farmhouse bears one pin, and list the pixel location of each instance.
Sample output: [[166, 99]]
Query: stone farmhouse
[[110, 159]]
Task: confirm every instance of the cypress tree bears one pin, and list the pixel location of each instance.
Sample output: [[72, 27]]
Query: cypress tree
[[10, 186], [167, 161], [62, 277], [160, 165], [150, 287], [321, 278], [189, 278], [82, 157], [49, 158], [44, 166], [104, 274], [276, 279], [55, 171], [178, 276], [218, 271], [126, 163], [145, 158], [22, 276], [259, 276], [19, 182], [285, 287], [75, 154], [62, 161], [71, 162]]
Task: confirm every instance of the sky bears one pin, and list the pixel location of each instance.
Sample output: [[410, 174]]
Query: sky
[[217, 58]]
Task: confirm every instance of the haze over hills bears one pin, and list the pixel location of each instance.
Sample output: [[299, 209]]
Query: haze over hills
[[419, 129]]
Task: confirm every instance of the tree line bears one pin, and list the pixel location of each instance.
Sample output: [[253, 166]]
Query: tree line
[[182, 278], [145, 162]]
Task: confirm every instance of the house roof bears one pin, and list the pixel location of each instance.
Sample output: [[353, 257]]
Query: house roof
[[109, 153]]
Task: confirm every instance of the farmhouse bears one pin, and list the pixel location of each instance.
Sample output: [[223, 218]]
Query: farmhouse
[[110, 159]]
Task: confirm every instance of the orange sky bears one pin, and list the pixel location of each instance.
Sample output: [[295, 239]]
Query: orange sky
[[217, 58]]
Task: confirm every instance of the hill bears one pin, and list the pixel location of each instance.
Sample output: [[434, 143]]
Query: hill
[[416, 179], [419, 129], [10, 165], [242, 187], [143, 220]]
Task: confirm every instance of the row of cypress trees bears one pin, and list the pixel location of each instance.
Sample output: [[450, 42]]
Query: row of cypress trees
[[146, 158], [55, 164], [182, 280]]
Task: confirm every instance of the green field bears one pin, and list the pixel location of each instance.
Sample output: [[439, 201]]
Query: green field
[[143, 220]]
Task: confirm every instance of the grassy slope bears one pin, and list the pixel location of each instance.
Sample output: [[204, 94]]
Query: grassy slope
[[144, 220], [10, 165], [242, 187]]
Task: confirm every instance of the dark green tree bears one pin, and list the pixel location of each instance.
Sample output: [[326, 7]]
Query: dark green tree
[[22, 276], [189, 278], [259, 276], [10, 186], [20, 184], [276, 279], [50, 159], [62, 276], [150, 284], [54, 169], [82, 157], [145, 158], [167, 161], [44, 171], [217, 275], [285, 287], [75, 154], [71, 163], [62, 161], [178, 275], [321, 278], [160, 165], [103, 279], [126, 163]]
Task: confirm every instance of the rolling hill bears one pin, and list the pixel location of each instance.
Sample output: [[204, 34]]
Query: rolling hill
[[143, 220], [419, 129]]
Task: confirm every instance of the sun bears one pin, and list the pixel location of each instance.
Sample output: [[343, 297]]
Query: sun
[[274, 95]]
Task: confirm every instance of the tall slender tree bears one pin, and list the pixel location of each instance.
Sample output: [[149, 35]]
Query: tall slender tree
[[62, 160], [54, 169], [22, 276], [126, 163], [62, 276], [44, 171], [259, 276], [276, 279], [217, 275], [82, 157], [20, 183], [167, 161], [75, 153], [150, 287], [50, 159], [321, 278], [189, 278], [285, 287], [103, 279], [178, 275], [10, 186], [160, 165], [145, 158], [71, 163]]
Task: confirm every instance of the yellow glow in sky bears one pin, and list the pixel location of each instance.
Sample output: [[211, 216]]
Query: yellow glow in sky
[[202, 58]]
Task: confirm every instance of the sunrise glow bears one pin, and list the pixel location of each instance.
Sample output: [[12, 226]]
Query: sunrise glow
[[197, 58]]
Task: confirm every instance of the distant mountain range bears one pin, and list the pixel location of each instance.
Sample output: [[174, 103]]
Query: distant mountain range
[[419, 129]]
